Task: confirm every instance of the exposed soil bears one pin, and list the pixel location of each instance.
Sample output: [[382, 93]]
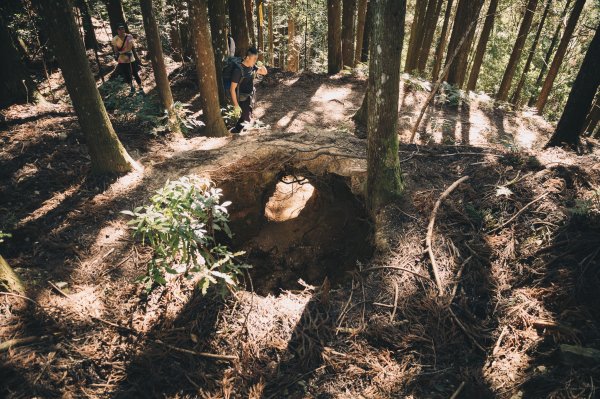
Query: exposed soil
[[310, 228], [516, 245]]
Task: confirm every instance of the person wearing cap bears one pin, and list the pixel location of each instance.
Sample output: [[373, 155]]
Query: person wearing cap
[[123, 46]]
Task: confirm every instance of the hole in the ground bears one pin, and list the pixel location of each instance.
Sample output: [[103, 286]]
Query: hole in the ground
[[300, 227]]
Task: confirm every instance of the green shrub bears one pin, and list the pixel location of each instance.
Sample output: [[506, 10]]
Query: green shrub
[[3, 235], [180, 225]]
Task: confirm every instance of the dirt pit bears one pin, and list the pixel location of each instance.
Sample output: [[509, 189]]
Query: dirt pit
[[300, 227]]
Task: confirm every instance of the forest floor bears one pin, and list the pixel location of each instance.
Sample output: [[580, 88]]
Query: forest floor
[[516, 246]]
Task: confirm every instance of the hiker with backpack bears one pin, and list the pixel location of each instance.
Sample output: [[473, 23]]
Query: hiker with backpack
[[239, 75], [128, 67]]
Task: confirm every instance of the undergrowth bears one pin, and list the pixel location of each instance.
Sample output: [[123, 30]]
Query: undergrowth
[[179, 225]]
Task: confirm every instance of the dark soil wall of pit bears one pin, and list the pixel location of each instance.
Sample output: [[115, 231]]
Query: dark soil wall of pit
[[325, 238]]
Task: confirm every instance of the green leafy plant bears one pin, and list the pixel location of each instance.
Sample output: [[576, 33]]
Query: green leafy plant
[[179, 225], [4, 235]]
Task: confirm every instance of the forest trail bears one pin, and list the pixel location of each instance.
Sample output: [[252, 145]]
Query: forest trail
[[515, 298]]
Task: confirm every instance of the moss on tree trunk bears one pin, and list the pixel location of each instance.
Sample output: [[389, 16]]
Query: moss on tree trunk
[[384, 178]]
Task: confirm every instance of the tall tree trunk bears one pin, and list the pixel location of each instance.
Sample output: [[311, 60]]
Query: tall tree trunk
[[467, 14], [441, 47], [517, 93], [431, 19], [217, 11], [591, 122], [239, 26], [260, 27], [559, 56], [384, 177], [116, 16], [205, 68], [271, 36], [334, 36], [549, 52], [89, 33], [293, 57], [155, 53], [16, 85], [89, 36], [515, 55], [360, 29], [106, 151], [416, 35], [580, 99], [348, 32], [364, 56], [250, 20], [488, 25], [174, 18]]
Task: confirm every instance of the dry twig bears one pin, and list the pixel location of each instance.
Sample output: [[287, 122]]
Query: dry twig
[[429, 237]]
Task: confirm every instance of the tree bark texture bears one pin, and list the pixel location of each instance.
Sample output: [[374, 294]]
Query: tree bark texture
[[486, 31], [217, 11], [334, 36], [348, 37], [239, 26], [441, 46]]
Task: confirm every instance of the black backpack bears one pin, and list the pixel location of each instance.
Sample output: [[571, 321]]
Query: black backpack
[[230, 65]]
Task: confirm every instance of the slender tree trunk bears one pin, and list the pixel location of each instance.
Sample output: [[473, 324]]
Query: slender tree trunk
[[217, 11], [348, 32], [467, 14], [517, 93], [293, 58], [16, 85], [116, 16], [549, 52], [488, 25], [431, 19], [89, 33], [271, 36], [250, 20], [364, 56], [515, 55], [205, 67], [155, 53], [260, 27], [174, 18], [360, 29], [334, 36], [106, 151], [580, 99], [441, 47], [559, 56], [89, 36], [416, 35], [239, 26], [384, 177]]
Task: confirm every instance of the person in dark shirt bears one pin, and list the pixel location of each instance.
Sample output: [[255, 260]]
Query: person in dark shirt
[[242, 87]]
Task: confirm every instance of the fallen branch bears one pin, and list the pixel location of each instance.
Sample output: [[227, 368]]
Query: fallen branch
[[516, 215], [458, 390], [191, 352], [395, 302], [499, 341], [464, 329], [429, 237], [458, 276], [396, 268], [11, 343]]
